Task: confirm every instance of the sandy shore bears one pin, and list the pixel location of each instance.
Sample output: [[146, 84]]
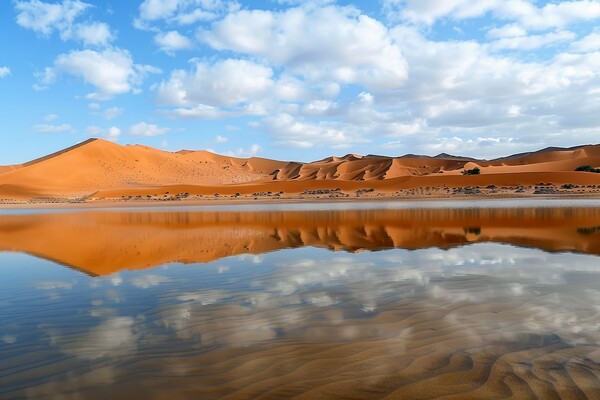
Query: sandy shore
[[467, 193]]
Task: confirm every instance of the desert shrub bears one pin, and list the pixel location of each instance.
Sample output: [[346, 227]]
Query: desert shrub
[[474, 171], [587, 168]]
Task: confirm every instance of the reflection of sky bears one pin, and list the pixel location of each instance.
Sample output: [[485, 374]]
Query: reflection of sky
[[306, 294]]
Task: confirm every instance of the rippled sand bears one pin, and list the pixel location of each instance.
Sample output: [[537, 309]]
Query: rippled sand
[[484, 320]]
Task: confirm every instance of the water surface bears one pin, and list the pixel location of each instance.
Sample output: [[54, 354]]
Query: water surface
[[349, 303]]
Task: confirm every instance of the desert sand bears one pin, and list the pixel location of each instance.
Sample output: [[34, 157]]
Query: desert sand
[[105, 242], [98, 170]]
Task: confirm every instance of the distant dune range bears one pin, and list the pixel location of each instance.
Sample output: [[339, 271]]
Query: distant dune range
[[102, 169], [102, 243]]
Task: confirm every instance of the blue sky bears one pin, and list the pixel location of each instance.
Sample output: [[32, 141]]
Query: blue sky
[[300, 80]]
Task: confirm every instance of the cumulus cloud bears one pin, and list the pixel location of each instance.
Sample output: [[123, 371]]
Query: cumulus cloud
[[111, 71], [287, 130], [47, 18], [95, 33], [4, 72], [587, 44], [229, 87], [525, 12], [225, 83], [353, 48], [144, 129], [172, 41], [181, 12]]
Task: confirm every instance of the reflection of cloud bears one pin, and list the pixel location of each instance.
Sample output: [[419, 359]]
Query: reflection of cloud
[[51, 285], [9, 339], [253, 258], [73, 382], [204, 297], [467, 297], [112, 337], [146, 281]]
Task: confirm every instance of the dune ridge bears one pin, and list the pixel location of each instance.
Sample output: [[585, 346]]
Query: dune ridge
[[97, 168]]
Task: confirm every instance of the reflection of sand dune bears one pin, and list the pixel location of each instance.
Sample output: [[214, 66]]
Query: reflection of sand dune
[[105, 169], [101, 243]]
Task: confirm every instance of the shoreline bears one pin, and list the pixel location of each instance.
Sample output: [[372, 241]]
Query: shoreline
[[429, 198]]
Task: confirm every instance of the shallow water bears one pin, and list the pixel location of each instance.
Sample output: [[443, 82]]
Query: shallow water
[[364, 302]]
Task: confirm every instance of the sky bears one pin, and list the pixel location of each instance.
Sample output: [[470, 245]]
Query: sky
[[300, 80]]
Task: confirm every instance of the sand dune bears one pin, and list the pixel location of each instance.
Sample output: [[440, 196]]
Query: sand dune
[[105, 169], [100, 243]]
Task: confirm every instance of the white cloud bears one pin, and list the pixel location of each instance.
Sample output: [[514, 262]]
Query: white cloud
[[319, 108], [158, 9], [144, 129], [286, 130], [182, 12], [428, 11], [50, 117], [234, 87], [251, 151], [532, 42], [506, 31], [94, 106], [225, 83], [111, 71], [47, 18], [111, 133], [112, 113], [200, 111], [95, 33], [526, 12], [49, 128], [221, 139], [172, 41], [4, 72], [352, 48], [587, 44]]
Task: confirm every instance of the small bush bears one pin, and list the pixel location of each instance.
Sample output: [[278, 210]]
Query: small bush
[[587, 168], [474, 171]]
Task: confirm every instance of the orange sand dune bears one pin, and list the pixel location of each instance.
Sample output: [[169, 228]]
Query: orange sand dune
[[100, 243], [109, 170], [99, 164]]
